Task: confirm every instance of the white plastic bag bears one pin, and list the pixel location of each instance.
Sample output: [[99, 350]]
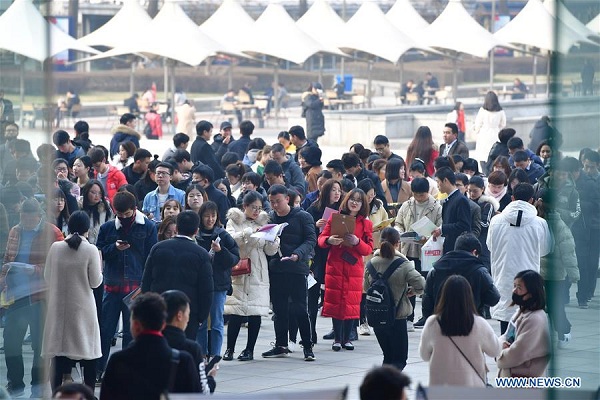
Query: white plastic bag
[[431, 252]]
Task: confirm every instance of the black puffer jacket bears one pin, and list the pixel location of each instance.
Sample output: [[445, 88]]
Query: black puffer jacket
[[224, 260], [299, 238], [459, 262]]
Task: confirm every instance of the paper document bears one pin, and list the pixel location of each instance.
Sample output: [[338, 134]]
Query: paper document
[[423, 227], [383, 224], [269, 232], [311, 281], [327, 214]]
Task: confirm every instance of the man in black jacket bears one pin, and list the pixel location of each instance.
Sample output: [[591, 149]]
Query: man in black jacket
[[178, 316], [288, 272], [456, 212], [204, 176], [240, 146], [452, 145], [143, 370], [180, 264], [463, 260], [201, 150], [354, 167]]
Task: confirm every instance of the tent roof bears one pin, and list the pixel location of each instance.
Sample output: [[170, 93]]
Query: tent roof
[[594, 24], [36, 38], [555, 7], [229, 14], [404, 17], [168, 29], [129, 22], [322, 23], [533, 26], [454, 29], [371, 32], [276, 34]]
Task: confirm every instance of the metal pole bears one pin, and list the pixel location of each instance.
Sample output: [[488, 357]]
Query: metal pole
[[548, 75], [21, 88], [492, 25], [321, 68], [276, 84], [166, 78], [369, 79], [230, 75], [534, 76], [454, 79], [172, 73], [132, 78]]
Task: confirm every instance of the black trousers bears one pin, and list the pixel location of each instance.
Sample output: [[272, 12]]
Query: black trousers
[[233, 330], [394, 343], [587, 251], [289, 296], [313, 309], [555, 293], [63, 365]]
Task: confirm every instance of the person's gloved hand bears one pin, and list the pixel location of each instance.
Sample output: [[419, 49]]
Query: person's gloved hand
[[351, 239]]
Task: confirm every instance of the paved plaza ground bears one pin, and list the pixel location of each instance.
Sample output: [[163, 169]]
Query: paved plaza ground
[[347, 368]]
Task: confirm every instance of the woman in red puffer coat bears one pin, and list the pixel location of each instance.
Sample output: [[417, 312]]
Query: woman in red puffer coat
[[345, 268]]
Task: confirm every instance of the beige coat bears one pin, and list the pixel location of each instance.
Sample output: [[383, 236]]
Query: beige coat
[[250, 292], [72, 328], [446, 364], [406, 275], [186, 119], [407, 216], [530, 352]]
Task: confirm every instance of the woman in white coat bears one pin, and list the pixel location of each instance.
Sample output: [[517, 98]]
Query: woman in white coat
[[250, 296], [455, 339], [489, 121], [186, 118], [72, 333]]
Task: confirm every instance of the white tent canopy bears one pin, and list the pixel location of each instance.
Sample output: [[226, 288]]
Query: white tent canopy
[[171, 34], [406, 18], [558, 9], [23, 30], [322, 23], [275, 34], [594, 25], [129, 22], [534, 26], [455, 30], [229, 14], [371, 32]]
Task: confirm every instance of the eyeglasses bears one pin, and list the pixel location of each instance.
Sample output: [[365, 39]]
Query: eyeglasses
[[256, 208], [355, 201], [94, 193], [60, 169], [161, 173]]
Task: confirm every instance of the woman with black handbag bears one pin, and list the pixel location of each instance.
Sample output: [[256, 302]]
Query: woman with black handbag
[[250, 295], [455, 339]]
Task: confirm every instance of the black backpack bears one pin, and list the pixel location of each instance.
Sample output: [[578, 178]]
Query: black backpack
[[380, 304]]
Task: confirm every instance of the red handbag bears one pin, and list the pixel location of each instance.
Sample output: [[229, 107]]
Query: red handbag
[[242, 268]]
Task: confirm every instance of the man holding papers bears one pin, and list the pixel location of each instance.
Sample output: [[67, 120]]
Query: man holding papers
[[288, 272]]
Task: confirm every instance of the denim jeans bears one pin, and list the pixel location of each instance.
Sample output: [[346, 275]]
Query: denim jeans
[[216, 326], [18, 316], [112, 307]]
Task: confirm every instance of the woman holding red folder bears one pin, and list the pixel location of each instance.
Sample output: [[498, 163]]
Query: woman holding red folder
[[345, 268]]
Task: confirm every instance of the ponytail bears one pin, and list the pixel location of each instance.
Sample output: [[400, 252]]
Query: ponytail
[[74, 241], [389, 239]]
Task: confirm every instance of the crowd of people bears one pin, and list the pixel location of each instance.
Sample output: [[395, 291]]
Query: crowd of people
[[176, 245]]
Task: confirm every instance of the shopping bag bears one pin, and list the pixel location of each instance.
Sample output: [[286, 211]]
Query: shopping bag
[[431, 252]]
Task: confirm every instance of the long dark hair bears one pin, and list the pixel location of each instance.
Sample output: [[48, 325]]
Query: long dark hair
[[491, 102], [64, 215], [421, 146], [206, 207], [392, 170], [324, 194], [79, 224], [534, 283], [455, 308], [364, 209], [365, 185], [92, 210], [389, 239]]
